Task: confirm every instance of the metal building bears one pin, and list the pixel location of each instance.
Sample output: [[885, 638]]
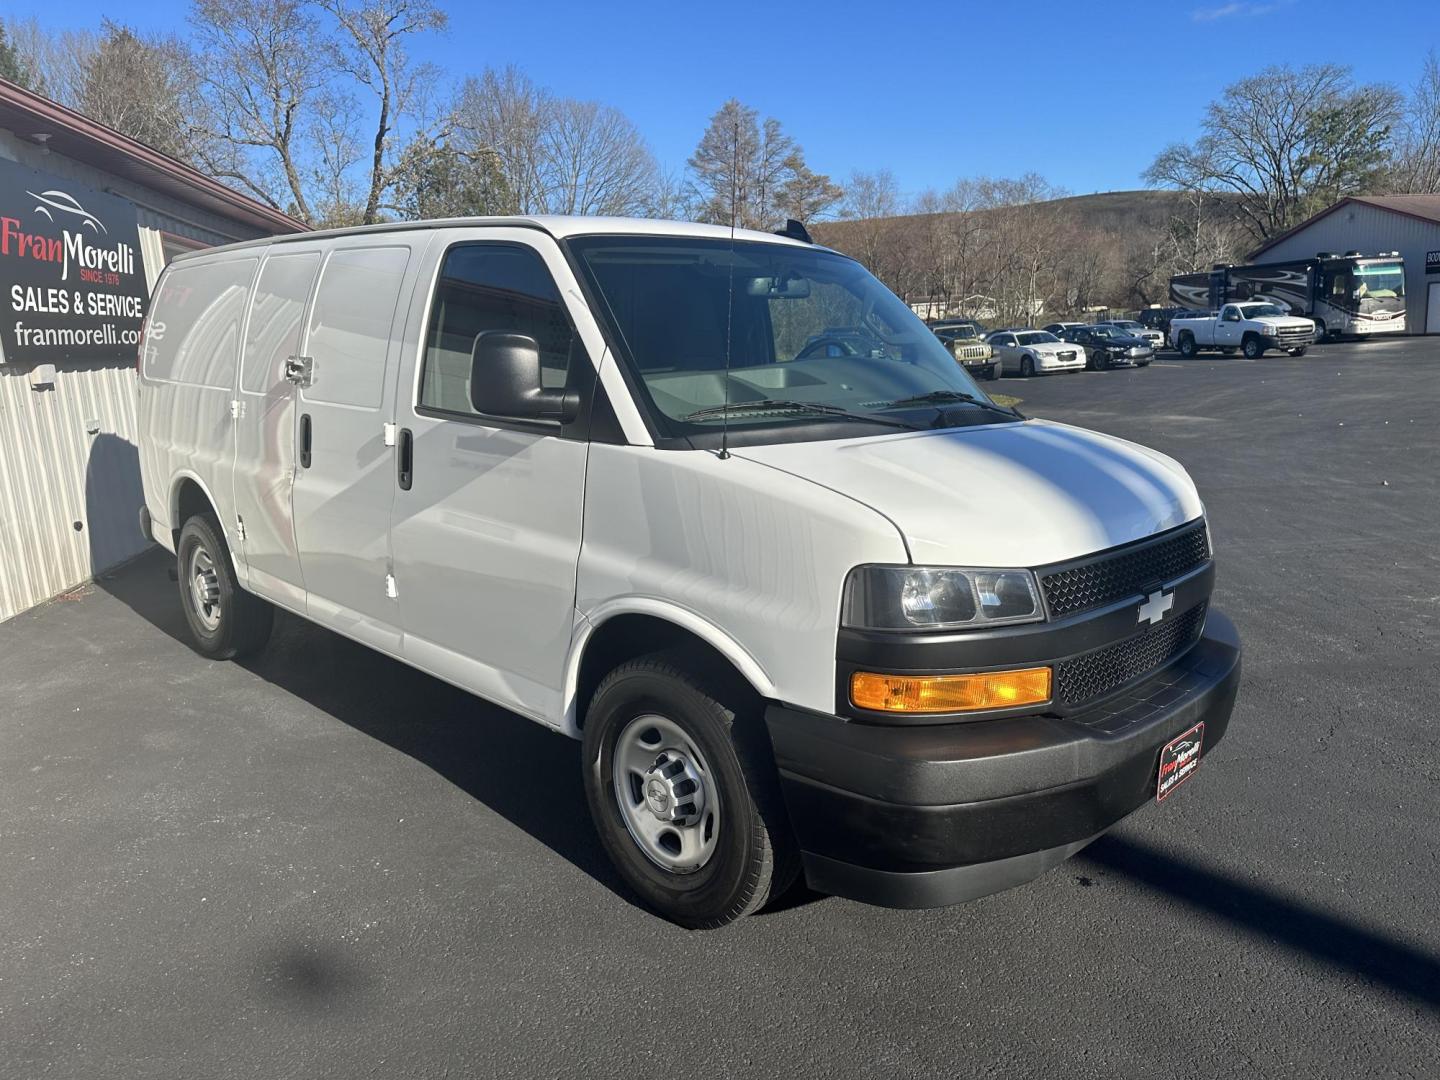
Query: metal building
[[1409, 224], [88, 218]]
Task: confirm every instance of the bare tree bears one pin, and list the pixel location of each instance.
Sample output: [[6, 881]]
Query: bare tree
[[55, 61], [1286, 142], [15, 64], [595, 161], [370, 49], [557, 155], [141, 87], [263, 73], [1417, 153]]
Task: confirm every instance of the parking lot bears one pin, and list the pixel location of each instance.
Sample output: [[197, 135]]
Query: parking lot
[[322, 863]]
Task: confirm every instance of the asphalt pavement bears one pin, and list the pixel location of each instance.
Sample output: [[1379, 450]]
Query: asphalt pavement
[[321, 863]]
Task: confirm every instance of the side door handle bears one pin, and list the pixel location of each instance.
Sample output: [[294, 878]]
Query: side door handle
[[305, 435], [405, 459]]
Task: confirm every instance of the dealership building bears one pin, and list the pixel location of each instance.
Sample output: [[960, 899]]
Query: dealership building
[[1408, 224], [88, 218]]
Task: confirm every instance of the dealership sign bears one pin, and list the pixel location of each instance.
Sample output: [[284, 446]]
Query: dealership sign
[[1432, 262], [73, 284]]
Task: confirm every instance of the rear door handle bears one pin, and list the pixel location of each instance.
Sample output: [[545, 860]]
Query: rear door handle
[[305, 440], [405, 459]]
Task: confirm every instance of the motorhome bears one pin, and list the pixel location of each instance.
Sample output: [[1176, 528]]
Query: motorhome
[[1346, 296]]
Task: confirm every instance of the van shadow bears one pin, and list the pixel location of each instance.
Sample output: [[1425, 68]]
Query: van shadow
[[522, 771]]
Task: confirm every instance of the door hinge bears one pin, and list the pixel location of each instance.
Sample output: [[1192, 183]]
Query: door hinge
[[237, 409], [240, 528], [389, 432], [390, 590]]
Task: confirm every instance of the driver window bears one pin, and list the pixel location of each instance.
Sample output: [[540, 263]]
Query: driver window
[[491, 287]]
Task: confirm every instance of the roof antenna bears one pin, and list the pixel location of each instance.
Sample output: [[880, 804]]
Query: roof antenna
[[730, 303]]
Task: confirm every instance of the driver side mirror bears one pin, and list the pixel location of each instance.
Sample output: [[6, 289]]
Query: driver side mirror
[[505, 380]]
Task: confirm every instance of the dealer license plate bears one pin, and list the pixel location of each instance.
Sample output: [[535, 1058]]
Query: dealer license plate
[[1179, 760]]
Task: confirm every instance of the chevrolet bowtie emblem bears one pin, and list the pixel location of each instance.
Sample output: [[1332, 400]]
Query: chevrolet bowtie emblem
[[1155, 606]]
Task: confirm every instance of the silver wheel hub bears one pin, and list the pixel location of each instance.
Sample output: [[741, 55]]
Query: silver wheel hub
[[204, 587], [665, 793]]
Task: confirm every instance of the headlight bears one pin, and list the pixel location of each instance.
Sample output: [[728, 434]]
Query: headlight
[[938, 598]]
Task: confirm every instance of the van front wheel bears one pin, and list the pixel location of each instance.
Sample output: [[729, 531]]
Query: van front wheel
[[225, 620], [683, 790]]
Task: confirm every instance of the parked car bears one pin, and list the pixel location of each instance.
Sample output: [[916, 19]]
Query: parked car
[[1160, 318], [1156, 338], [761, 589], [950, 324], [1107, 346], [1251, 327], [968, 347], [1059, 328], [1034, 352]]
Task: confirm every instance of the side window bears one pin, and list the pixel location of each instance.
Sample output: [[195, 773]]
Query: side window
[[275, 314], [194, 331], [491, 287], [350, 326]]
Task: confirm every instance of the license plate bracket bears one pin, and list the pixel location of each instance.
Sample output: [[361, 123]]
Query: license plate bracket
[[1179, 758]]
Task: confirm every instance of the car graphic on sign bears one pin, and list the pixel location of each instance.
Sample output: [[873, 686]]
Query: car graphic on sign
[[66, 203]]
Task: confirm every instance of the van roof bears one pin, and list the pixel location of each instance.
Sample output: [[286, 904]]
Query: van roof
[[556, 225]]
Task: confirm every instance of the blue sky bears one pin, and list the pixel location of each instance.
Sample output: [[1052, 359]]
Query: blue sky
[[1084, 93]]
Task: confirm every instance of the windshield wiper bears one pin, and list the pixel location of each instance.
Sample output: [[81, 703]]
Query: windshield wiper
[[939, 397], [778, 405]]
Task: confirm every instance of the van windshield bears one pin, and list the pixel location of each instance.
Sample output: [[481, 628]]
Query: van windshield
[[814, 341]]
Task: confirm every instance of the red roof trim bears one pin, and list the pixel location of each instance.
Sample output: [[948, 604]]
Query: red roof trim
[[46, 114]]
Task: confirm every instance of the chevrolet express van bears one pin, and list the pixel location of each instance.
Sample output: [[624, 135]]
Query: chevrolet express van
[[719, 506]]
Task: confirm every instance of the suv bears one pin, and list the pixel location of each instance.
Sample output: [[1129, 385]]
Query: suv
[[613, 476], [965, 344]]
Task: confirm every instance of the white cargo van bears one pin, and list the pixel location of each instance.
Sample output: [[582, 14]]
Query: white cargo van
[[720, 506]]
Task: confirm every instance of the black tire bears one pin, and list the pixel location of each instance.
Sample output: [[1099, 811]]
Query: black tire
[[754, 859], [1142, 363], [1321, 334], [1027, 366], [1253, 348], [1187, 345], [1300, 351], [992, 372], [1227, 351], [230, 622]]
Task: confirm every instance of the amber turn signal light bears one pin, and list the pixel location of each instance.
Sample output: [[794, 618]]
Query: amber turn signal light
[[949, 693]]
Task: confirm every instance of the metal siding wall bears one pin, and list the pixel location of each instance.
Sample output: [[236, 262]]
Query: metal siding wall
[[1359, 227], [54, 472]]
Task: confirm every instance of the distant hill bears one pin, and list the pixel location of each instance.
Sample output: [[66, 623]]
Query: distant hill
[[1108, 211]]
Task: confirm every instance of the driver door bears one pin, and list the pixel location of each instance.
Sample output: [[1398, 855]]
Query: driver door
[[1227, 328]]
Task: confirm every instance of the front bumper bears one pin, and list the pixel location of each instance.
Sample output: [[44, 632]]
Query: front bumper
[[1049, 362], [928, 815]]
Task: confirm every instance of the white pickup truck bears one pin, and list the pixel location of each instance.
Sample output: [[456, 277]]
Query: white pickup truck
[[1252, 328]]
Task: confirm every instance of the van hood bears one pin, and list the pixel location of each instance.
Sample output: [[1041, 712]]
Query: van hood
[[1012, 494]]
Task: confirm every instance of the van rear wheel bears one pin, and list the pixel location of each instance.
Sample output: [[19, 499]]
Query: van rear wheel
[[225, 621], [684, 793]]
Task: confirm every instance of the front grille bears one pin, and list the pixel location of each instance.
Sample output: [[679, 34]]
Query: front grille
[[1094, 674], [1286, 333], [1127, 572], [1066, 355]]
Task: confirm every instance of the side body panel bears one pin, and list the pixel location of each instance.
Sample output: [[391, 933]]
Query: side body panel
[[488, 535], [740, 552], [265, 427], [342, 499], [188, 368]]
